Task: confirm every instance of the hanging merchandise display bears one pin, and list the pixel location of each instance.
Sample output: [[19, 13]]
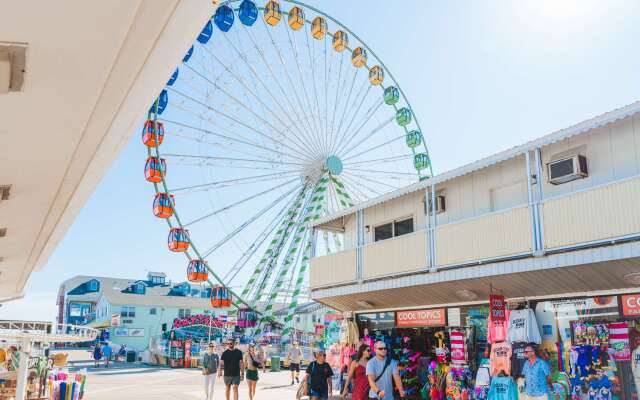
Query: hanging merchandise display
[[500, 358], [523, 327]]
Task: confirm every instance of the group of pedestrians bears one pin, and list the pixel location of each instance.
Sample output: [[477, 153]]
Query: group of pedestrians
[[233, 366], [105, 352]]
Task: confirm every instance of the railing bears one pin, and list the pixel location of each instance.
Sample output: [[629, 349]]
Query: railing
[[333, 268], [45, 332]]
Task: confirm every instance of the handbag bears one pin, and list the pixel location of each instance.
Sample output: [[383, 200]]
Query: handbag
[[304, 389]]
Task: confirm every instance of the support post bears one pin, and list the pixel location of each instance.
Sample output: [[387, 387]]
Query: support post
[[359, 245], [534, 227], [432, 237], [539, 215], [429, 233]]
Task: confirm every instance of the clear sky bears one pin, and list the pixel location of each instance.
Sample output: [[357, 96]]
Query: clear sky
[[482, 76]]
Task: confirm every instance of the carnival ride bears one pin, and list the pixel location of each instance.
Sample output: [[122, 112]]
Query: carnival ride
[[277, 115]]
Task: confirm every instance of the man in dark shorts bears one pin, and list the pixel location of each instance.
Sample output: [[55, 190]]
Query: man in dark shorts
[[319, 375], [231, 364], [295, 358]]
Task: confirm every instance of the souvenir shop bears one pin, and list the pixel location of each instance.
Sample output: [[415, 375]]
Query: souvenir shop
[[591, 344]]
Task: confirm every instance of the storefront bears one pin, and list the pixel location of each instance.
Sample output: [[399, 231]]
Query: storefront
[[592, 345]]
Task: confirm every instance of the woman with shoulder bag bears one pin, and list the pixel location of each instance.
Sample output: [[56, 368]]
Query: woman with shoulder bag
[[358, 375], [253, 363], [210, 362]]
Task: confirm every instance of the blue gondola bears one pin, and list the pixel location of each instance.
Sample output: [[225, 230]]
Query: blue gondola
[[224, 18], [188, 55], [173, 78], [248, 12], [206, 33], [163, 99]]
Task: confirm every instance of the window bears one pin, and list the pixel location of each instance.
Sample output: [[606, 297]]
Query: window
[[128, 312], [403, 227], [184, 312], [92, 286], [383, 232], [158, 280], [187, 312], [153, 311], [139, 288], [181, 313], [392, 229]]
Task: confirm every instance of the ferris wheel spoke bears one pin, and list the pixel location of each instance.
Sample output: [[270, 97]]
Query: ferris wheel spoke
[[231, 159], [344, 108], [409, 174], [258, 79], [337, 93], [291, 84], [342, 137], [376, 129], [312, 64], [375, 181], [237, 203], [356, 190], [361, 124], [302, 84], [380, 160], [249, 221], [237, 121], [357, 183], [235, 181], [302, 130]]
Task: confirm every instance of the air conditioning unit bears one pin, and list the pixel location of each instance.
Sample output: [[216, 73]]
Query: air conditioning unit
[[440, 205], [567, 169]]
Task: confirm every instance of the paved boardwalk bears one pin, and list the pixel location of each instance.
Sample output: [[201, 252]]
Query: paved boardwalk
[[136, 381]]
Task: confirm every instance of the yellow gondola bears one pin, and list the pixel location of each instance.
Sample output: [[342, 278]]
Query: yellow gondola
[[376, 75], [318, 28], [340, 41], [272, 15], [359, 57], [296, 18]]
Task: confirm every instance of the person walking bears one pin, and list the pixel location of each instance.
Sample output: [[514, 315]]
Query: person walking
[[381, 370], [537, 375], [263, 357], [97, 355], [357, 375], [319, 382], [210, 362], [253, 362], [106, 353], [232, 365], [295, 358]]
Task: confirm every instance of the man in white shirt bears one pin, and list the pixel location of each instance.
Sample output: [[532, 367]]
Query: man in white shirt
[[295, 358]]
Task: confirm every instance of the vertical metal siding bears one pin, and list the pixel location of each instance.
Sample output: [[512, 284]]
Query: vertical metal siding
[[402, 254], [333, 268]]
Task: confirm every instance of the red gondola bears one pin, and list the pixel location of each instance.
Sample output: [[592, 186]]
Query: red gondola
[[162, 205], [220, 297], [197, 272], [154, 170], [149, 136], [178, 240]]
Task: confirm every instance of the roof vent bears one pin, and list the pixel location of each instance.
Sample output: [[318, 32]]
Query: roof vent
[[12, 66], [5, 190]]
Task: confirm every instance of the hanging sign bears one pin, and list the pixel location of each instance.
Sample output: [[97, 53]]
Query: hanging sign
[[497, 308], [631, 305], [420, 318], [115, 320]]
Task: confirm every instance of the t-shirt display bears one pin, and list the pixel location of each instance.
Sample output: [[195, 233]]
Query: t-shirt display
[[518, 358], [231, 359], [497, 330], [500, 358], [457, 347], [503, 388], [523, 327], [584, 355]]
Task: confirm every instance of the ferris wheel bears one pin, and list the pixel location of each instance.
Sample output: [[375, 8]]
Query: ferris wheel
[[277, 115]]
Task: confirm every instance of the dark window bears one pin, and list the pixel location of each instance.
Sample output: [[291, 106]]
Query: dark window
[[152, 311], [138, 288], [92, 286], [403, 227], [383, 232]]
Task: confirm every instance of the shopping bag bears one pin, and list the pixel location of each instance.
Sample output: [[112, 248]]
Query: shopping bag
[[303, 391]]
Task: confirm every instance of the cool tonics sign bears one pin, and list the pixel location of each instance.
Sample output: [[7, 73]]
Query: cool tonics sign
[[631, 305], [420, 318]]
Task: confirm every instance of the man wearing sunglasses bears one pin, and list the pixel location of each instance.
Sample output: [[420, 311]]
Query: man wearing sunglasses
[[382, 371], [537, 375]]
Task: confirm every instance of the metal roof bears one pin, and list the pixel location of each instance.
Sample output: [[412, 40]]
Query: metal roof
[[580, 128]]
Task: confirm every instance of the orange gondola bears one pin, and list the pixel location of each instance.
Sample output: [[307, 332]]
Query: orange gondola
[[178, 240], [150, 137], [220, 297], [155, 169], [162, 205], [197, 272]]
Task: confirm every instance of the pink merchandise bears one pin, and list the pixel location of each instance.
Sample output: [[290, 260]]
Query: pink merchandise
[[500, 359], [619, 341], [457, 347], [346, 353], [497, 330], [333, 356]]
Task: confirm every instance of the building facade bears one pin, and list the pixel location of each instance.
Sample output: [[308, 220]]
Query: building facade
[[131, 311]]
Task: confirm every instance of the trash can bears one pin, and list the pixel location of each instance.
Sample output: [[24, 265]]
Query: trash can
[[131, 356], [275, 363]]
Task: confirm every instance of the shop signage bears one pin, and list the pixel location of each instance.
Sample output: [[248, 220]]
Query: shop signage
[[121, 332], [420, 318], [134, 332], [631, 305], [199, 319], [115, 320], [497, 307]]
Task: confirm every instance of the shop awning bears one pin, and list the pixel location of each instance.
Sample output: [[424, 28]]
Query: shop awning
[[100, 324]]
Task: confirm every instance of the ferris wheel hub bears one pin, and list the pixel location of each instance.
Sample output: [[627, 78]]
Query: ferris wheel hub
[[333, 164]]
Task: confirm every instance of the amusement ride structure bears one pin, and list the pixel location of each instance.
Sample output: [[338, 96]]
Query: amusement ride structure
[[277, 115]]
